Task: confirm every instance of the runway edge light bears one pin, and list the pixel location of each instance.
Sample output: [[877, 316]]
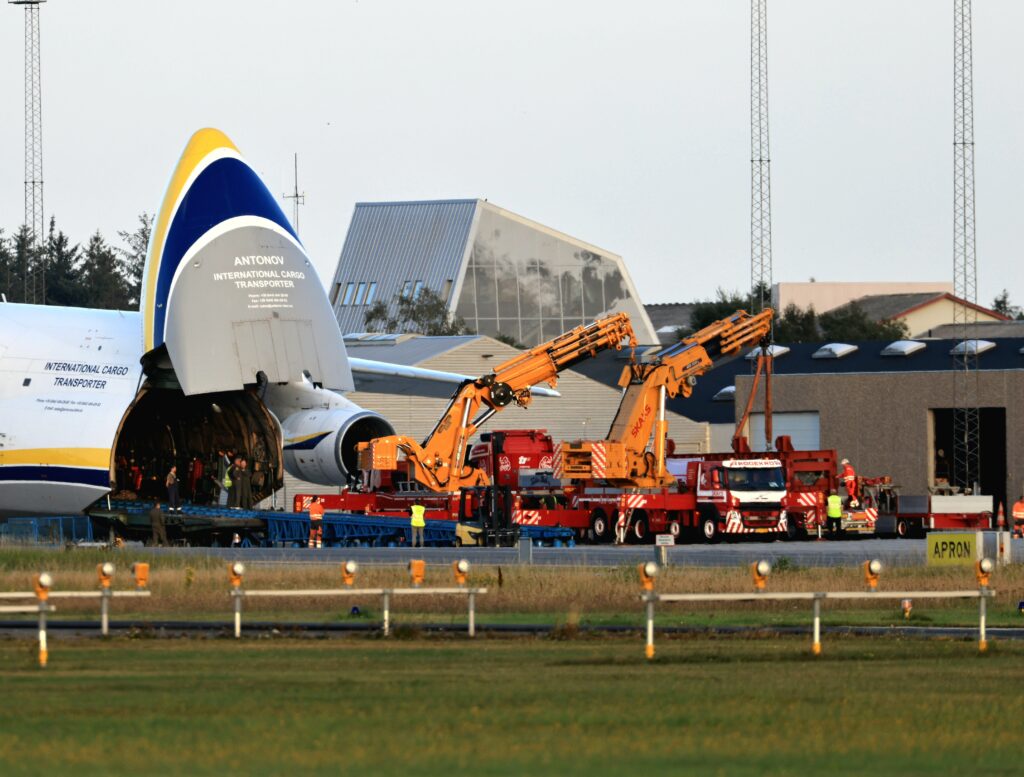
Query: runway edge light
[[648, 571], [348, 572], [983, 571], [140, 570], [759, 571], [105, 573], [460, 569], [43, 583], [872, 571], [235, 572], [417, 571]]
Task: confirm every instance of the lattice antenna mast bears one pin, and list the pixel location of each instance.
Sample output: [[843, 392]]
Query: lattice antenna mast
[[966, 420], [35, 271], [760, 161], [296, 198]]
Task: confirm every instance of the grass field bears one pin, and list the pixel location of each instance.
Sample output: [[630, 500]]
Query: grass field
[[510, 707], [196, 589]]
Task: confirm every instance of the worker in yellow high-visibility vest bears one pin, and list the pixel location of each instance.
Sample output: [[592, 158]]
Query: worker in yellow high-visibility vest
[[834, 511], [417, 523]]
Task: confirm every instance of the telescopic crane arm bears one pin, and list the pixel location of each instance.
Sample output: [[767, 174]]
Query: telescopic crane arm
[[438, 462], [623, 458]]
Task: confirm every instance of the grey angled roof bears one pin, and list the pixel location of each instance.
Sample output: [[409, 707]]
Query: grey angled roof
[[985, 330], [410, 351], [674, 314], [394, 242], [882, 307]]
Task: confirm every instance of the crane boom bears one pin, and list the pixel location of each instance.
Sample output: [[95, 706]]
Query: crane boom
[[438, 462], [623, 458]]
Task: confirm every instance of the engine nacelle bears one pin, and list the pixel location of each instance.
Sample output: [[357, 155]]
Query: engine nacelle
[[320, 444]]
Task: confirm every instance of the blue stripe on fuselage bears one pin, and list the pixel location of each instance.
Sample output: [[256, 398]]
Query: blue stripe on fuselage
[[228, 188]]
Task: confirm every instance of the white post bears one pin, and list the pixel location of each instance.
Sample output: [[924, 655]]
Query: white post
[[43, 653], [387, 613], [472, 613], [649, 648], [105, 612], [982, 642], [816, 647], [238, 612]]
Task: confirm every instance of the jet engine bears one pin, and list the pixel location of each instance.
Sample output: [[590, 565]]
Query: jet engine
[[320, 444]]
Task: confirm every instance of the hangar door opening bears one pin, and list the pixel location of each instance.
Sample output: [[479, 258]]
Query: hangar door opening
[[804, 428], [992, 436]]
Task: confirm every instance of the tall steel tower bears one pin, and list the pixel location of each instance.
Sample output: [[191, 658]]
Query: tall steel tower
[[35, 219], [760, 161], [966, 417]]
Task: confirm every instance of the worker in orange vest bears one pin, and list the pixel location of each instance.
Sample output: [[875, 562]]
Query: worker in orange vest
[[849, 478], [1018, 517], [316, 523]]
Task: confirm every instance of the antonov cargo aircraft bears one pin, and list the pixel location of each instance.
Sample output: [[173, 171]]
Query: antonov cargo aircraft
[[233, 347]]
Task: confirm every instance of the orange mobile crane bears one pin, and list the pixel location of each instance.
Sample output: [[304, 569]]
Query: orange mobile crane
[[623, 458], [439, 461]]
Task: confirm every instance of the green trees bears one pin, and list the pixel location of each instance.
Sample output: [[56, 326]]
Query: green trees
[[98, 276], [848, 323], [425, 313]]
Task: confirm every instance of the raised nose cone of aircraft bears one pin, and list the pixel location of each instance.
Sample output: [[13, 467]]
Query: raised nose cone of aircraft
[[226, 276]]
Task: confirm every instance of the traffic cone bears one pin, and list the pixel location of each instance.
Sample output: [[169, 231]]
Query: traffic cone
[[1000, 518]]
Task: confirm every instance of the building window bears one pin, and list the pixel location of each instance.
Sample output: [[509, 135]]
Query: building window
[[406, 288], [347, 299], [335, 293], [417, 289], [447, 292], [359, 294], [371, 291]]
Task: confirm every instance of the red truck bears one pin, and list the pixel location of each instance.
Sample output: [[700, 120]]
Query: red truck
[[715, 495]]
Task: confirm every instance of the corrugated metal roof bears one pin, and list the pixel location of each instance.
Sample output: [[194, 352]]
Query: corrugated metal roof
[[390, 243]]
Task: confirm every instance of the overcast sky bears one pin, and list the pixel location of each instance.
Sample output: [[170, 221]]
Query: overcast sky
[[622, 124]]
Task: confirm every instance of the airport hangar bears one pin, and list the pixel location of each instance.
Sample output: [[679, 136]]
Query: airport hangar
[[885, 406], [501, 272]]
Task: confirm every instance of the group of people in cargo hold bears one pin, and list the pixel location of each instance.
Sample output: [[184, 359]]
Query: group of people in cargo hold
[[834, 505]]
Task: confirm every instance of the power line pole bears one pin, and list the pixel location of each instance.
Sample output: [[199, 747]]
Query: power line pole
[[35, 275], [760, 161], [966, 416], [296, 198]]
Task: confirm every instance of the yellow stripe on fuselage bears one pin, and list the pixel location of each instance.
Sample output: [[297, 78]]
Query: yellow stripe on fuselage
[[199, 146], [57, 457]]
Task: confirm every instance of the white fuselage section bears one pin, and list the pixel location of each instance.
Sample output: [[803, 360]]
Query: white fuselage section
[[67, 377]]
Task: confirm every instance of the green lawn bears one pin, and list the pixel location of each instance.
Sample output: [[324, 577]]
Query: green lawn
[[510, 706]]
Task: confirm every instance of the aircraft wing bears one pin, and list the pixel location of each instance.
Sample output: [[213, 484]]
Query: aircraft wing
[[390, 378]]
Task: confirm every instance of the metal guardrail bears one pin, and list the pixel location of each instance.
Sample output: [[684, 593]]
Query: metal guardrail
[[238, 594], [650, 598]]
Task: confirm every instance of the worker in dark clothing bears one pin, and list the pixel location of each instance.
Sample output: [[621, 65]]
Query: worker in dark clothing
[[243, 485], [173, 501], [158, 526]]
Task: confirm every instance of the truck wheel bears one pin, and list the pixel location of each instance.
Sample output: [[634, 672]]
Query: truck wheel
[[902, 528], [709, 528], [600, 526], [638, 532]]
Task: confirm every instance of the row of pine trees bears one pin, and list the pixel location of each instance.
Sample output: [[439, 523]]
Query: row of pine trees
[[99, 274]]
